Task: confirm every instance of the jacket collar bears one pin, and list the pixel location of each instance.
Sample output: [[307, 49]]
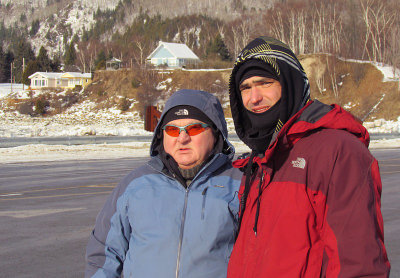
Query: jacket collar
[[315, 115]]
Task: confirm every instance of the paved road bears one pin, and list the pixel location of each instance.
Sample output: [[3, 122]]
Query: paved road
[[8, 142], [47, 210]]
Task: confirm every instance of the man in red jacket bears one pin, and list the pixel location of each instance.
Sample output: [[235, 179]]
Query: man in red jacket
[[311, 190]]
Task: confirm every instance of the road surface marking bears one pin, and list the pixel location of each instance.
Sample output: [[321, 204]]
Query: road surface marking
[[53, 196], [35, 212], [11, 194], [62, 188]]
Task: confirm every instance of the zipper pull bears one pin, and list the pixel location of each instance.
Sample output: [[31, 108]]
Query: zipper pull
[[204, 202]]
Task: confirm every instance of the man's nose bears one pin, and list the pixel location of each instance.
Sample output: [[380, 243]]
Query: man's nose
[[183, 137], [255, 95]]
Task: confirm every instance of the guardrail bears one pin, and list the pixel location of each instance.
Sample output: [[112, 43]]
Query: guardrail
[[8, 142]]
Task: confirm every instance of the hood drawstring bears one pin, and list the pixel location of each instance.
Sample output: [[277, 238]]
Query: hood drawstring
[[258, 202], [243, 199]]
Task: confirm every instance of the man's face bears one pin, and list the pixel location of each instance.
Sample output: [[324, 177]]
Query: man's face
[[260, 93], [189, 151]]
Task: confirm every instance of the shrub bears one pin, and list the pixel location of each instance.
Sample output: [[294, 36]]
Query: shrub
[[26, 108], [135, 83], [41, 105], [70, 99], [101, 93], [77, 88], [124, 104]]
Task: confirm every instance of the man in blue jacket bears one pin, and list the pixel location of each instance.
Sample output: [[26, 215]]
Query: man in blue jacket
[[176, 216]]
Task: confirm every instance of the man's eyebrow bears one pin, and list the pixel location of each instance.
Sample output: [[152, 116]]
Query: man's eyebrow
[[243, 85], [261, 79]]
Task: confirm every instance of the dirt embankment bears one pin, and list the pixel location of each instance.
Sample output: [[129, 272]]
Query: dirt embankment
[[358, 87]]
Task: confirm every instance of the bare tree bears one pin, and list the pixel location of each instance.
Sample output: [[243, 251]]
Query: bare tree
[[378, 21], [394, 50], [140, 45], [326, 30], [240, 35], [278, 28], [331, 68]]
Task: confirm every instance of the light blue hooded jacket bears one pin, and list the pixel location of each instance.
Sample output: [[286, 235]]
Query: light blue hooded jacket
[[152, 226]]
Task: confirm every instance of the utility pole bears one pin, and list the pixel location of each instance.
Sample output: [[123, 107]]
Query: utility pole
[[23, 70], [12, 65]]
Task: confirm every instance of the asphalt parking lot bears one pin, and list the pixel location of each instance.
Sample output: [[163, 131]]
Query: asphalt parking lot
[[47, 210]]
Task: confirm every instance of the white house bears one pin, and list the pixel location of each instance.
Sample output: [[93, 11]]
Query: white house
[[47, 80], [173, 55], [66, 80]]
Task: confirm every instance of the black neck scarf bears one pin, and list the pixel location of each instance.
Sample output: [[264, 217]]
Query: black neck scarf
[[263, 126]]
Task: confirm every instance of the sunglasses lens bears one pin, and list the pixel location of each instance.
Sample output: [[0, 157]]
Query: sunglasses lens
[[194, 129], [191, 130], [172, 131]]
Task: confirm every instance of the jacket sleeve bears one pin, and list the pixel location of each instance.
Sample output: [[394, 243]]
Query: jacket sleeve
[[353, 226], [108, 242]]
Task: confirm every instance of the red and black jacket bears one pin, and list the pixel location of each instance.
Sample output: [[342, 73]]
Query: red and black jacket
[[315, 200], [310, 204]]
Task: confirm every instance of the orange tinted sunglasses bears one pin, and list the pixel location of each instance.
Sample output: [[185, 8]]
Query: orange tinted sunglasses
[[190, 129]]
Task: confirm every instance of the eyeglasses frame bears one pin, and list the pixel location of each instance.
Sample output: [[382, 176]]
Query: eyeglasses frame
[[183, 128]]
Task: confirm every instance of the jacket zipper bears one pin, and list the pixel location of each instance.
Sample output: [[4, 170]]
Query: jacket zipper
[[181, 233], [204, 202], [184, 211]]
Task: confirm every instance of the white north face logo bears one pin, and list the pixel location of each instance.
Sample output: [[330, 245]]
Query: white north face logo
[[182, 112], [299, 163]]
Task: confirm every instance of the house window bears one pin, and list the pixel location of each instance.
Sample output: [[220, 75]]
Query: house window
[[43, 83]]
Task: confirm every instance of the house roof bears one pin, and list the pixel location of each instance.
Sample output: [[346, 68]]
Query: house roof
[[77, 75], [49, 75], [179, 50], [114, 60], [59, 75]]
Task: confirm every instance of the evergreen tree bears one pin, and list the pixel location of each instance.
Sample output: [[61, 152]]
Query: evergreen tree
[[218, 48], [43, 60], [23, 51], [85, 35], [70, 55], [31, 68], [8, 59], [100, 62], [34, 27], [55, 65], [2, 65]]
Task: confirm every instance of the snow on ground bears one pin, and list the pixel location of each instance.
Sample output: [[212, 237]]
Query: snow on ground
[[80, 120], [8, 88], [389, 73], [38, 152]]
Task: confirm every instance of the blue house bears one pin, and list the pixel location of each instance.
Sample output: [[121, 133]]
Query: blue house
[[173, 55]]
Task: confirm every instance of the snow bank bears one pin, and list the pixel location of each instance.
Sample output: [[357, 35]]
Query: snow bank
[[8, 88], [38, 152]]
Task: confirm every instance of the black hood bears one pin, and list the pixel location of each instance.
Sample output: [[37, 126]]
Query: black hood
[[291, 75]]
